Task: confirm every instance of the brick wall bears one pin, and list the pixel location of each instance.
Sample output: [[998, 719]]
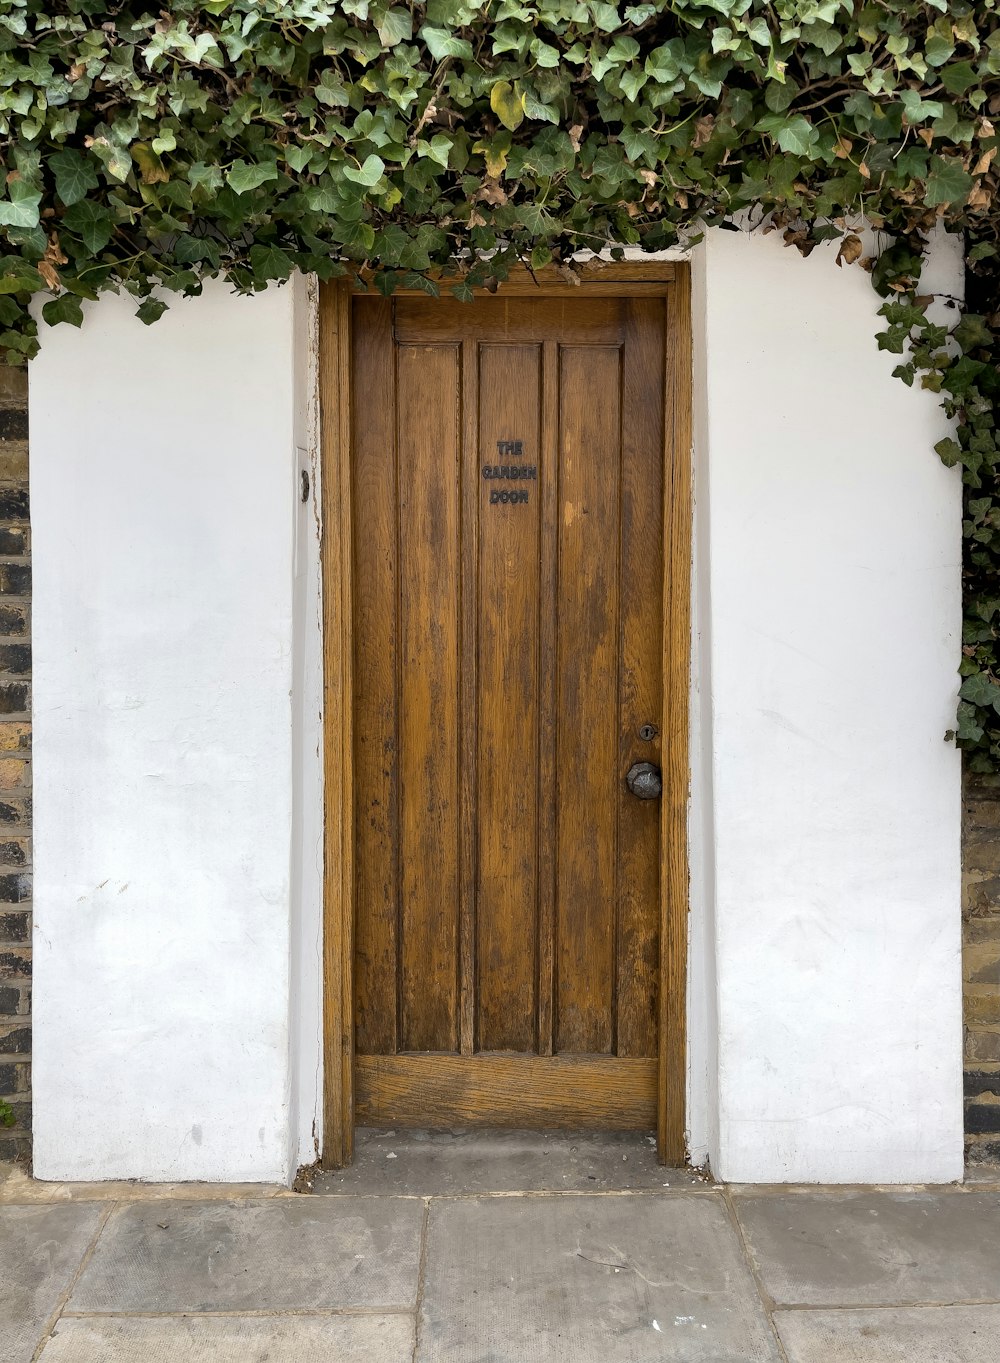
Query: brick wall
[[15, 765], [981, 911]]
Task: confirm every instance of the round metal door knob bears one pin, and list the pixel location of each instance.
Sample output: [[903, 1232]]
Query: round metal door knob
[[644, 781]]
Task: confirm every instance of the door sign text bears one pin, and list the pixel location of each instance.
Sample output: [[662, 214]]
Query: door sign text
[[509, 449]]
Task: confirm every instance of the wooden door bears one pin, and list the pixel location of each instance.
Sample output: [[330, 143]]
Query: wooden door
[[507, 528]]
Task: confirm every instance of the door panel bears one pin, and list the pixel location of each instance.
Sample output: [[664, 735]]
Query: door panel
[[508, 654]]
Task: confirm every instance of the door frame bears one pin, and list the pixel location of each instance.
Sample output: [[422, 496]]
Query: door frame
[[669, 280]]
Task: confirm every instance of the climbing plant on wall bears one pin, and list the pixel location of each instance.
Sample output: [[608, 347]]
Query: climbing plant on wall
[[148, 147]]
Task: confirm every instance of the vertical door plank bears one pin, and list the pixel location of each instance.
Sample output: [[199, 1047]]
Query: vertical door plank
[[468, 661], [507, 711], [588, 747], [375, 663], [548, 614], [338, 719], [429, 445], [641, 674]]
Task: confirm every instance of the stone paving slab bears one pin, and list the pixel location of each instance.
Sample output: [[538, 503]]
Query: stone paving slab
[[190, 1339], [623, 1279], [40, 1250], [18, 1186], [945, 1334], [449, 1163], [301, 1254], [867, 1249]]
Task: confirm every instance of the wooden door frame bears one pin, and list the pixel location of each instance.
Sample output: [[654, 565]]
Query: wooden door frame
[[672, 282]]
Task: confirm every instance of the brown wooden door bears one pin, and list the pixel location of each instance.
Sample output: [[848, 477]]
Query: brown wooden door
[[507, 510]]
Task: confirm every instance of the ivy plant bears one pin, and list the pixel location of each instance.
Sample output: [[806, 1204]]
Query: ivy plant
[[435, 145]]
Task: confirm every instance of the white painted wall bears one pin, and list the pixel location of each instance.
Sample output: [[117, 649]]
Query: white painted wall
[[178, 783], [163, 480], [829, 551]]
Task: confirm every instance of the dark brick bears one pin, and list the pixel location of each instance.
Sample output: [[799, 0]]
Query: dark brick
[[13, 424], [10, 1001], [980, 1118], [15, 812], [8, 1080], [13, 854], [22, 1119], [13, 618], [13, 385], [15, 927], [13, 503], [983, 1152], [13, 541], [13, 1147], [13, 698], [981, 1081], [15, 889], [14, 965], [18, 1042], [15, 658], [15, 578]]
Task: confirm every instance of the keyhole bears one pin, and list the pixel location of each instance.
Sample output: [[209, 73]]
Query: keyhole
[[647, 731]]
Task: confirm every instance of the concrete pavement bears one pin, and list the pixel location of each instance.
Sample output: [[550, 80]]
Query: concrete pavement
[[499, 1249]]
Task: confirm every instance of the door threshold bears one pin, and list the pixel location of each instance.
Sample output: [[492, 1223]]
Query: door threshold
[[392, 1162]]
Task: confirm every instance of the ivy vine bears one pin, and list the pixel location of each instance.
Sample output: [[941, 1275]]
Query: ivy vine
[[147, 148]]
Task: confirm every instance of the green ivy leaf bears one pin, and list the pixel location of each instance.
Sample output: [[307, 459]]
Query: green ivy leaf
[[973, 333], [92, 223], [949, 451], [948, 182], [368, 174], [981, 690], [75, 176], [441, 43], [150, 310], [606, 17], [21, 209], [66, 308], [793, 133], [244, 176], [395, 26], [270, 262]]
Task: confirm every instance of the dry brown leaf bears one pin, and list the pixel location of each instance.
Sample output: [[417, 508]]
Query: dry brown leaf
[[850, 250], [864, 171], [492, 192], [704, 127], [575, 134], [843, 148], [50, 274]]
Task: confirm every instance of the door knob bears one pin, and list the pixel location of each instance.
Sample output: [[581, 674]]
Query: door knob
[[644, 780]]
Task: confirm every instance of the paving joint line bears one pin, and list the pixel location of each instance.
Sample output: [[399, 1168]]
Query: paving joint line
[[421, 1279], [904, 1305], [764, 1297], [250, 1313], [524, 1193], [75, 1277]]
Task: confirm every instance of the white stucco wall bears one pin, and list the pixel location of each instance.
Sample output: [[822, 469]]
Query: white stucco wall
[[828, 558], [163, 477], [177, 708]]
